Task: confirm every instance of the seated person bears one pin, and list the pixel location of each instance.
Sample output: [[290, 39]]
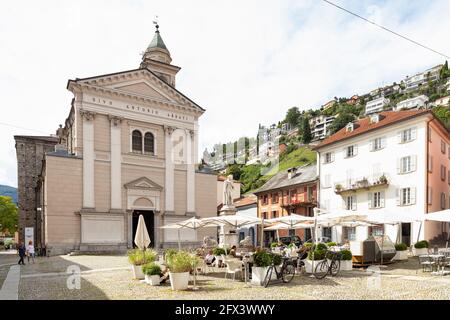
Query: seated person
[[232, 251], [209, 258]]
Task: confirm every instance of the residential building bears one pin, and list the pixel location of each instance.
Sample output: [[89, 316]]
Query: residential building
[[329, 104], [421, 78], [444, 101], [248, 206], [320, 126], [377, 105], [353, 100], [289, 191], [391, 162], [131, 142], [418, 102]]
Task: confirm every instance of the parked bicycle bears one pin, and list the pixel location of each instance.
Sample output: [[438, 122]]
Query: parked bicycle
[[286, 272], [330, 265]]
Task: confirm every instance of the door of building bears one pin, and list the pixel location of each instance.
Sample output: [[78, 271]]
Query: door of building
[[406, 233]]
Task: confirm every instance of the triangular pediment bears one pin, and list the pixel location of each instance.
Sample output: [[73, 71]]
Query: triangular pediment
[[143, 183], [142, 88], [141, 83]]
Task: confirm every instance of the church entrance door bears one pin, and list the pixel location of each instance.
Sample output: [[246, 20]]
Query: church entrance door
[[149, 218]]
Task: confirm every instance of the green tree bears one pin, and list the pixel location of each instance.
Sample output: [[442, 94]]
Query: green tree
[[306, 137], [292, 116], [443, 114], [341, 121], [235, 171], [9, 216]]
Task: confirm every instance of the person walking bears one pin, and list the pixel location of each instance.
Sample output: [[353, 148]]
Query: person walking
[[21, 250], [30, 251]]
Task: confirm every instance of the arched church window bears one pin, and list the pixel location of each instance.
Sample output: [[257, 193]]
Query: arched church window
[[136, 141], [149, 143]]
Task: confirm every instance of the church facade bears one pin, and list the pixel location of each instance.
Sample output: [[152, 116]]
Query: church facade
[[128, 148]]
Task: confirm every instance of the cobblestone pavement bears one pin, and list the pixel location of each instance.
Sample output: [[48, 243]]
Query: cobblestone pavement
[[46, 280], [7, 258]]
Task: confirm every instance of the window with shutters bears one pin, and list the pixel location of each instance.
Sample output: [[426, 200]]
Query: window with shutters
[[328, 158], [443, 146], [430, 163], [448, 176], [350, 151], [349, 233], [449, 152], [405, 164], [443, 200], [429, 134], [407, 135], [376, 200], [326, 183], [407, 196], [136, 141], [376, 231], [350, 203], [430, 195], [443, 172], [149, 143], [377, 144]]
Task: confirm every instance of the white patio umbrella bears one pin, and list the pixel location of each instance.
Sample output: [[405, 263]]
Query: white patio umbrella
[[193, 224], [142, 239], [442, 216]]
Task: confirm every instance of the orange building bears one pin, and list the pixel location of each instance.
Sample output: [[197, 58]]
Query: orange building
[[290, 191]]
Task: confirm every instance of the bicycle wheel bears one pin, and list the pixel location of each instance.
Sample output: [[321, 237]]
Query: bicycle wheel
[[335, 267], [268, 276], [321, 270], [288, 273]]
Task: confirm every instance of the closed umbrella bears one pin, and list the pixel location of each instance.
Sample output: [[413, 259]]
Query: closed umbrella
[[142, 239]]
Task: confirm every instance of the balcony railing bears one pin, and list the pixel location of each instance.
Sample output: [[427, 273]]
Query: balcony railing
[[364, 183], [298, 201]]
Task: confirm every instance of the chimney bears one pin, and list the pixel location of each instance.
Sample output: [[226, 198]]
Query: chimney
[[291, 173]]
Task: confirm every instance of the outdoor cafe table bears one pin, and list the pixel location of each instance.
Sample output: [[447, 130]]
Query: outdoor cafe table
[[437, 258]]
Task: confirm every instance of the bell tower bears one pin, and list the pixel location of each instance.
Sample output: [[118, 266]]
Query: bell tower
[[157, 59]]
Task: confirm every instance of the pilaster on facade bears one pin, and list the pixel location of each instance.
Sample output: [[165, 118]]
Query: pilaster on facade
[[88, 158], [116, 162], [190, 172], [169, 172]]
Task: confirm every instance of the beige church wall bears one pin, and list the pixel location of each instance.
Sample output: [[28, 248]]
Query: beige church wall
[[102, 132], [179, 191], [63, 198], [103, 229], [102, 186], [131, 173], [205, 201]]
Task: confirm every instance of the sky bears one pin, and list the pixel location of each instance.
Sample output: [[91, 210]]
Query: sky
[[245, 62]]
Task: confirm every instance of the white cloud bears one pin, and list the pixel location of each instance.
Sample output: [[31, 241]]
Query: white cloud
[[246, 62]]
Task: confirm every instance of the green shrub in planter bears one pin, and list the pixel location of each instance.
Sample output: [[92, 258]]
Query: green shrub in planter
[[276, 259], [331, 244], [346, 255], [140, 257], [181, 261], [262, 259], [321, 246], [274, 244], [308, 245], [421, 244], [169, 252], [218, 251], [151, 269], [316, 255], [401, 247]]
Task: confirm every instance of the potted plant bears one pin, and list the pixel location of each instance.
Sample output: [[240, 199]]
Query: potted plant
[[261, 261], [401, 251], [420, 248], [137, 258], [346, 260], [382, 179], [314, 258], [331, 244], [218, 252], [152, 273], [338, 187], [180, 264]]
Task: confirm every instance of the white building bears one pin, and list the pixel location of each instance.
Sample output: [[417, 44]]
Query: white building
[[320, 126], [444, 101], [413, 103], [376, 105], [421, 78], [353, 163]]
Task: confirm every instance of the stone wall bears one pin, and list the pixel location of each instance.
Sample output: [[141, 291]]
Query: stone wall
[[30, 152]]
